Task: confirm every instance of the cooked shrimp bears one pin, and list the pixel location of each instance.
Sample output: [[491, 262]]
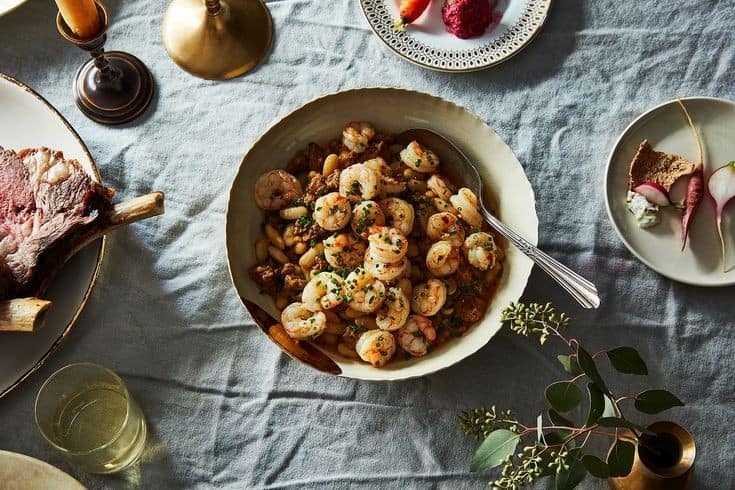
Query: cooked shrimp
[[344, 250], [358, 182], [481, 250], [323, 291], [428, 297], [439, 187], [378, 166], [332, 211], [392, 315], [442, 258], [364, 292], [376, 347], [301, 323], [389, 245], [445, 226], [365, 215], [467, 206], [419, 159], [357, 135], [399, 214], [276, 189], [416, 335], [381, 270]]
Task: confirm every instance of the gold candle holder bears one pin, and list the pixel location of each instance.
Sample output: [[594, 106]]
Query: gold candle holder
[[113, 87], [217, 39]]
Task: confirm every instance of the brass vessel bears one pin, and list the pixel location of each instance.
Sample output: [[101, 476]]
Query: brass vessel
[[646, 475], [217, 39]]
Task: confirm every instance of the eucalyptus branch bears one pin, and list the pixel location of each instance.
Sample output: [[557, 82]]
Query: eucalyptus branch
[[555, 448]]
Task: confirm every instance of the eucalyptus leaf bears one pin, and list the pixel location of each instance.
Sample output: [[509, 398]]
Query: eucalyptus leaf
[[621, 424], [609, 408], [558, 419], [563, 396], [655, 401], [627, 360], [595, 466], [588, 366], [498, 445], [570, 478], [620, 458], [597, 404], [569, 364]]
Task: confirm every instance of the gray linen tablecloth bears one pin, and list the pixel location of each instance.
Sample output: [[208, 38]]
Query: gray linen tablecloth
[[227, 409]]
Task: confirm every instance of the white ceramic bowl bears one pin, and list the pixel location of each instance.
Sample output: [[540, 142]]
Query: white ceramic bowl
[[390, 110]]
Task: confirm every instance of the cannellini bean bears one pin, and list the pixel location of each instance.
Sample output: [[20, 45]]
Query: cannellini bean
[[261, 248], [408, 173], [289, 238], [331, 163], [293, 212], [448, 310], [352, 313], [281, 302], [451, 285], [277, 254], [275, 237], [347, 351], [335, 328], [307, 260], [332, 316], [417, 185], [299, 248], [367, 322]]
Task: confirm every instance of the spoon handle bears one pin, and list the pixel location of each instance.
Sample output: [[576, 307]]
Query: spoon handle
[[580, 288]]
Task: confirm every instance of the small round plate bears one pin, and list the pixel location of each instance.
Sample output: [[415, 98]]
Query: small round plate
[[659, 247], [427, 43], [26, 121], [21, 472]]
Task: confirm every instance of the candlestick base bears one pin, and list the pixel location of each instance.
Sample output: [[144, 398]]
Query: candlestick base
[[217, 40], [115, 99]]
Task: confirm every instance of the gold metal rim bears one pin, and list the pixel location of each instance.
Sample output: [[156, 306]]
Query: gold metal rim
[[100, 254], [468, 70]]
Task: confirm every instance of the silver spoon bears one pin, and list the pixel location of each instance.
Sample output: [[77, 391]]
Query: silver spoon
[[580, 288]]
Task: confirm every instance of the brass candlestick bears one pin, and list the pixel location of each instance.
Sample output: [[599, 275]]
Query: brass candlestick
[[113, 87], [217, 39]]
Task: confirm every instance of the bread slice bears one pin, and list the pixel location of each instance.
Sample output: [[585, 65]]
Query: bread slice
[[650, 165]]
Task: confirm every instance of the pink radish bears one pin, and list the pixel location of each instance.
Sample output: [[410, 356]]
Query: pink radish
[[721, 186], [653, 192], [695, 187]]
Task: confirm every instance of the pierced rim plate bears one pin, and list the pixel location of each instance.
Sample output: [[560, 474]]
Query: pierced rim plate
[[428, 44]]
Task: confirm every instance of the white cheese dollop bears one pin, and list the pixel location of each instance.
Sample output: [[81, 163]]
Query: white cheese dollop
[[645, 212]]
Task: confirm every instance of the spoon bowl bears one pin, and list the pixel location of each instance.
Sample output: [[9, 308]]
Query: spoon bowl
[[461, 169]]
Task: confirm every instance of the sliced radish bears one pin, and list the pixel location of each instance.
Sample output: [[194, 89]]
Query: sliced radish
[[654, 193], [721, 186]]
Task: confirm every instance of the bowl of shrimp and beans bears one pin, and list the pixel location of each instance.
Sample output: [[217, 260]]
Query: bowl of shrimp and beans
[[370, 251]]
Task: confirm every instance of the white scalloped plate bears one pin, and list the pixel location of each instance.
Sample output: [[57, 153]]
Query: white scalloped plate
[[427, 43], [659, 247], [390, 110]]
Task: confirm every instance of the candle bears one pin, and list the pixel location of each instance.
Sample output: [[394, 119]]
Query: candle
[[81, 16]]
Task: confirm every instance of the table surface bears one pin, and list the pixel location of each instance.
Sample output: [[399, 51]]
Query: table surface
[[226, 408]]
